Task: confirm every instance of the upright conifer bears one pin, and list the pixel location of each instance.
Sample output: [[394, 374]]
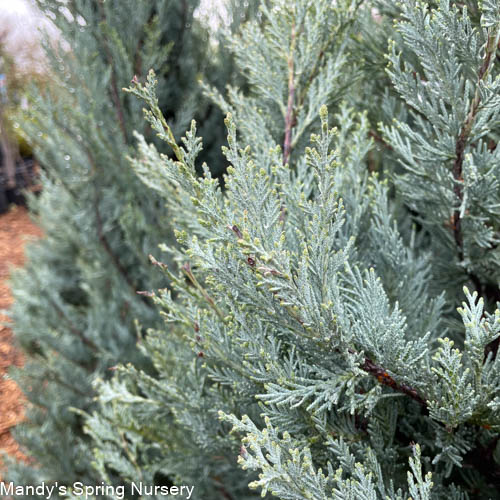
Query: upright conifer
[[76, 300], [314, 305]]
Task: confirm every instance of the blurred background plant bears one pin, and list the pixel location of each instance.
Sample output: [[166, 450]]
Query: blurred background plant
[[21, 64], [75, 300]]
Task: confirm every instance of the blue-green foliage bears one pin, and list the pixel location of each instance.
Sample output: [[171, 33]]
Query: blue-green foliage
[[313, 306], [444, 70], [76, 300]]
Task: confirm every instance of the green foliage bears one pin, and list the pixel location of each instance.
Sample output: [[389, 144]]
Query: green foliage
[[313, 305], [76, 300], [314, 308], [448, 81]]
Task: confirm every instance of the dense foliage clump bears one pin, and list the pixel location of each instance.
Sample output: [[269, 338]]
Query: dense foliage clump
[[76, 299], [314, 310], [332, 304]]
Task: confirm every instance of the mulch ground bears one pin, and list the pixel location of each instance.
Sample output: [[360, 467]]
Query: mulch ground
[[16, 228]]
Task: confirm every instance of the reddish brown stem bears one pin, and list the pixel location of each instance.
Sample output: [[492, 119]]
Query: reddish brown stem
[[379, 139], [385, 379], [491, 48], [461, 143]]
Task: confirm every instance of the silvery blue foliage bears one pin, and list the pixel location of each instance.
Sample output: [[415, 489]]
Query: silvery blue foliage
[[312, 330], [75, 300]]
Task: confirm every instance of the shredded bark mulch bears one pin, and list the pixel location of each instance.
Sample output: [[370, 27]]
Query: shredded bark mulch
[[16, 228]]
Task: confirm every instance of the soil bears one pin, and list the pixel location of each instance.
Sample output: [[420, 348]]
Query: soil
[[16, 228]]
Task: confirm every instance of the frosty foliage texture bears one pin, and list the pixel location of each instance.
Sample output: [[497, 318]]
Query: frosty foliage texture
[[313, 346], [76, 300], [314, 310]]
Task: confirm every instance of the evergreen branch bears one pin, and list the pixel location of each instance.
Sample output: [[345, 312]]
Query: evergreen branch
[[107, 247], [491, 47], [484, 70], [73, 329], [154, 114], [378, 138], [100, 231], [89, 366], [385, 379], [187, 270], [54, 377], [321, 56], [130, 455], [114, 86], [290, 112]]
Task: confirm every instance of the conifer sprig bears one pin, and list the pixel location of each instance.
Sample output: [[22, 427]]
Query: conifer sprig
[[315, 317]]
